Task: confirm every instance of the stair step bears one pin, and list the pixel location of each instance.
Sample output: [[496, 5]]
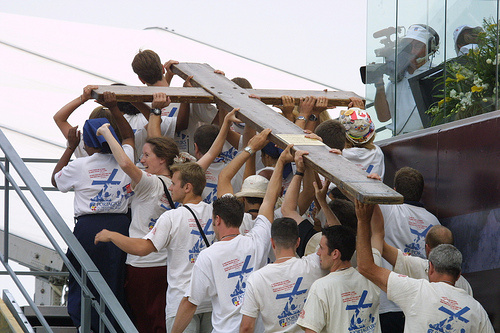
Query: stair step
[[56, 316], [56, 329]]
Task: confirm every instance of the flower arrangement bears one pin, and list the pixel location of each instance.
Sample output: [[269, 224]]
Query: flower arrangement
[[470, 81]]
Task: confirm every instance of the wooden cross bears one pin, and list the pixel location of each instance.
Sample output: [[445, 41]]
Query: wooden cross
[[211, 87]]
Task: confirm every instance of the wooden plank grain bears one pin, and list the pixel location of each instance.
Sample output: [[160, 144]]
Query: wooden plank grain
[[273, 96], [200, 95], [335, 168], [145, 94]]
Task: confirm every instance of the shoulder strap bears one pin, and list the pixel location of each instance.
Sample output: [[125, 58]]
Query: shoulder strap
[[167, 193], [199, 226]]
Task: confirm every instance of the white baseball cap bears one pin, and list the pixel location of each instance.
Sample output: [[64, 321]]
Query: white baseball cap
[[419, 33], [253, 186]]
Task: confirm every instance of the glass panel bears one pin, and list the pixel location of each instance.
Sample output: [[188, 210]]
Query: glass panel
[[407, 78]]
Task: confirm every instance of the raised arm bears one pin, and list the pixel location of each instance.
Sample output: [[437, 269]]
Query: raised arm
[[381, 104], [274, 186], [377, 229], [250, 169], [169, 74], [73, 141], [61, 116], [331, 218], [388, 252], [224, 182], [218, 144], [123, 160], [289, 206], [160, 101], [109, 100], [366, 265], [182, 122]]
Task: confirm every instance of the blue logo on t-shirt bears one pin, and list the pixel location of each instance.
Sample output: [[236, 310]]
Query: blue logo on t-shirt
[[359, 320], [451, 323], [416, 248], [293, 306], [239, 291], [200, 243]]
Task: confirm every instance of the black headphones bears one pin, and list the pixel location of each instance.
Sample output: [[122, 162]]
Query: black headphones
[[433, 42]]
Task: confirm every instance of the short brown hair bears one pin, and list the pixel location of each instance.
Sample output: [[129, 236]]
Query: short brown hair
[[191, 173], [409, 183], [333, 133], [242, 82], [147, 65], [205, 136]]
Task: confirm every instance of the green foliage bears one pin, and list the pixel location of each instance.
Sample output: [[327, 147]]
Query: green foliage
[[471, 84]]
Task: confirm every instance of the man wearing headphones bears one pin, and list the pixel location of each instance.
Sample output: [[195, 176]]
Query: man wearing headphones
[[396, 102]]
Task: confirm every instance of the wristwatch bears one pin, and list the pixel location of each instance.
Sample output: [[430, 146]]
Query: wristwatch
[[313, 117], [301, 118], [248, 150], [156, 111]]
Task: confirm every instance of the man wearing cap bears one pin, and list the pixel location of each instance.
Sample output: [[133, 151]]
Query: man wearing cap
[[254, 187], [102, 191], [397, 102], [465, 38]]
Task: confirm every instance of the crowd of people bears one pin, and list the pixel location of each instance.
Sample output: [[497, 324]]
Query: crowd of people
[[199, 224]]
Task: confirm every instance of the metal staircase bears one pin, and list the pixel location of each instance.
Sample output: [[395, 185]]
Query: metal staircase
[[49, 266]]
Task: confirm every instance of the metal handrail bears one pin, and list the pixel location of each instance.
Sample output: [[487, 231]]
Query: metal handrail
[[89, 272]]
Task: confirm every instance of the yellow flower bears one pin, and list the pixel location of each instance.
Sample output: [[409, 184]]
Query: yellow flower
[[460, 77], [450, 79], [476, 89], [441, 102]]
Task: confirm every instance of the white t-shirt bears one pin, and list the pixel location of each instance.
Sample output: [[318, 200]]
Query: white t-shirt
[[404, 114], [342, 301], [199, 114], [176, 230], [247, 223], [370, 160], [136, 121], [418, 268], [212, 176], [278, 292], [100, 184], [436, 307], [148, 203], [221, 273], [405, 228]]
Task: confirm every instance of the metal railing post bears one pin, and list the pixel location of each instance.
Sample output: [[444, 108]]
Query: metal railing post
[[86, 305], [6, 214]]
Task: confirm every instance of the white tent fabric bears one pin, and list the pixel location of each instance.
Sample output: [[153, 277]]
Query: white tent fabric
[[46, 63]]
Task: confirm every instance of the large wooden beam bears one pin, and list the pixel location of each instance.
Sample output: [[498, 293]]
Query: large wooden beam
[[336, 168], [200, 95]]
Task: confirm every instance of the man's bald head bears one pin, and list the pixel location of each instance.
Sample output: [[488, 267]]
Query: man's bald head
[[437, 235]]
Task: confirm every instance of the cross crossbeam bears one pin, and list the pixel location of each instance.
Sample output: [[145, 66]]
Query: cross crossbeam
[[336, 168], [200, 95]]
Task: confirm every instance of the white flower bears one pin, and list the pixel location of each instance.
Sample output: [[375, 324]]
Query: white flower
[[453, 93], [489, 61], [485, 100]]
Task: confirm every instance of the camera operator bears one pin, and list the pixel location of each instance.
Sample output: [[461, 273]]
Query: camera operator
[[417, 47]]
